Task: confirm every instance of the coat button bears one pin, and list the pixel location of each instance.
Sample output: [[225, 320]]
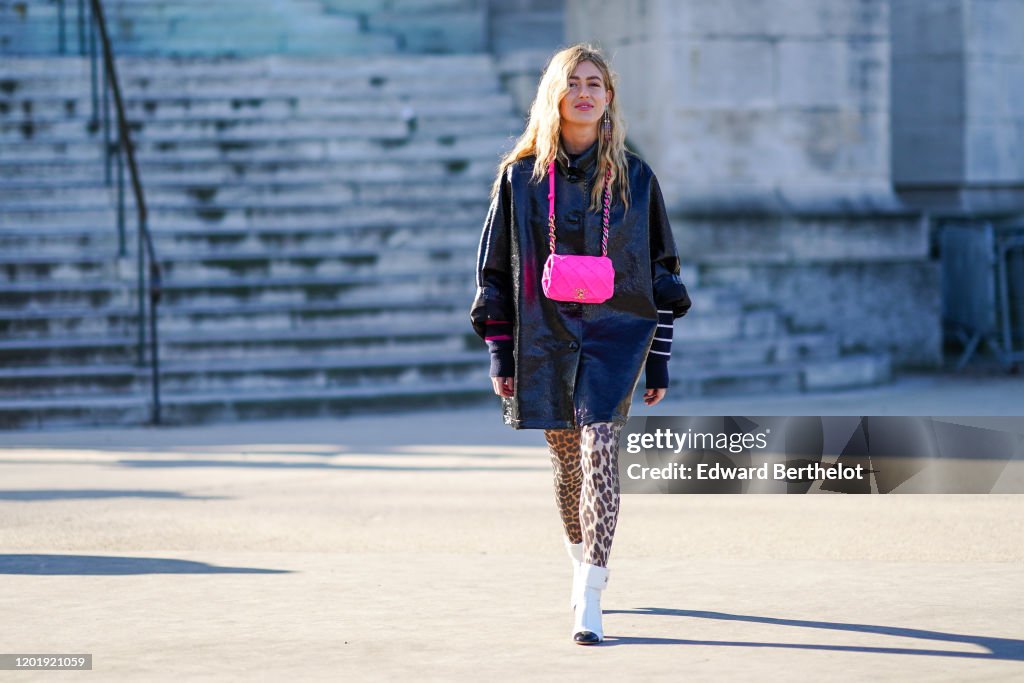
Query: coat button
[[574, 345]]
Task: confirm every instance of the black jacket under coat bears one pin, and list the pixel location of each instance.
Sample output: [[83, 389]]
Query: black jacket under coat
[[575, 364]]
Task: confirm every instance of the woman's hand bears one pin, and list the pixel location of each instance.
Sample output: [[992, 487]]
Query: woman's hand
[[652, 396], [504, 386]]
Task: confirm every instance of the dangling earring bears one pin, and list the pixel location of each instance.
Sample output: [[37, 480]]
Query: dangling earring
[[606, 127]]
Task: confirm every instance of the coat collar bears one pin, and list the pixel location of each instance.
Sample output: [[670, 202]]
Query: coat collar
[[577, 164]]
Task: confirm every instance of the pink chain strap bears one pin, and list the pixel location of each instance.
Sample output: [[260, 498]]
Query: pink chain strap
[[551, 210]]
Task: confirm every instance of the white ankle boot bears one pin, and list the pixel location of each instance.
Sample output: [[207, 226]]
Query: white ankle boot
[[575, 551], [586, 590]]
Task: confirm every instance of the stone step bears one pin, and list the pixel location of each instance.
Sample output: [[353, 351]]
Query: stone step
[[87, 266], [54, 268], [241, 196], [718, 323], [293, 372], [24, 328], [175, 174], [236, 45], [333, 6], [388, 228], [346, 288], [325, 217], [434, 28], [437, 31], [848, 372], [857, 370], [58, 319], [406, 6], [358, 341], [192, 408], [689, 355], [393, 126], [174, 107], [102, 269], [438, 332], [150, 6], [126, 25], [154, 39], [342, 86], [171, 186], [257, 67], [378, 357], [309, 146]]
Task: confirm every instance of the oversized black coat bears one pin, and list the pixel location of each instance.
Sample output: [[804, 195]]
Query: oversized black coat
[[575, 364]]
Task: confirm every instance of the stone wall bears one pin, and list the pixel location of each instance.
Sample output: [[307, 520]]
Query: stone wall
[[763, 101], [768, 125]]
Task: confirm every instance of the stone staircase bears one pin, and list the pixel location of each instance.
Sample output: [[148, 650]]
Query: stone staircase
[[317, 229], [317, 220], [256, 27]]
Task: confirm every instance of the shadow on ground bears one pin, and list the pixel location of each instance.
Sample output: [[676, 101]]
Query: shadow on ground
[[101, 565], [92, 494], [998, 648]]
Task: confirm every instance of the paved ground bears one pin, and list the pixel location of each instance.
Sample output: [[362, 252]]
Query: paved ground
[[427, 546]]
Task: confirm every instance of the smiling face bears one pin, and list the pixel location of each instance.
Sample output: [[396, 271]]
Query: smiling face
[[587, 98]]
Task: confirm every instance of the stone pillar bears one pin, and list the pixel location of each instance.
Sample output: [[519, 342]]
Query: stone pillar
[[958, 103], [767, 122]]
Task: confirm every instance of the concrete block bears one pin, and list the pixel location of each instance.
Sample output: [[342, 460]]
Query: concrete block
[[928, 90], [833, 73], [933, 29], [928, 153], [994, 153], [826, 145], [723, 145], [994, 28], [819, 18], [994, 90], [775, 18], [860, 370], [719, 73]]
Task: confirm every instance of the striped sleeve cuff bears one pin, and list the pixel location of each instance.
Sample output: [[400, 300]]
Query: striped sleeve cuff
[[661, 351], [498, 335]]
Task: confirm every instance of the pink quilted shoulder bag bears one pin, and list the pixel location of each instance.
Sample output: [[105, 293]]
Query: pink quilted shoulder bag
[[580, 279]]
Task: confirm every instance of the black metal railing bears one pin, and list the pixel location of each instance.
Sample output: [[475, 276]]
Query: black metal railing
[[120, 151]]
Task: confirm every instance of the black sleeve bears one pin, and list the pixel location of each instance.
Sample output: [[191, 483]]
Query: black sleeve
[[493, 301], [669, 290]]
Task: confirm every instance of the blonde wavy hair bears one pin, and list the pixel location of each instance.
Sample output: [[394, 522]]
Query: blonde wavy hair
[[542, 136]]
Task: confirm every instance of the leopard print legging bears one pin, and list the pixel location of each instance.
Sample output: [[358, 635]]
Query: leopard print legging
[[586, 469]]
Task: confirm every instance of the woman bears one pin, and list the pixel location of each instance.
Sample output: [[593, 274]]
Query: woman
[[565, 367]]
